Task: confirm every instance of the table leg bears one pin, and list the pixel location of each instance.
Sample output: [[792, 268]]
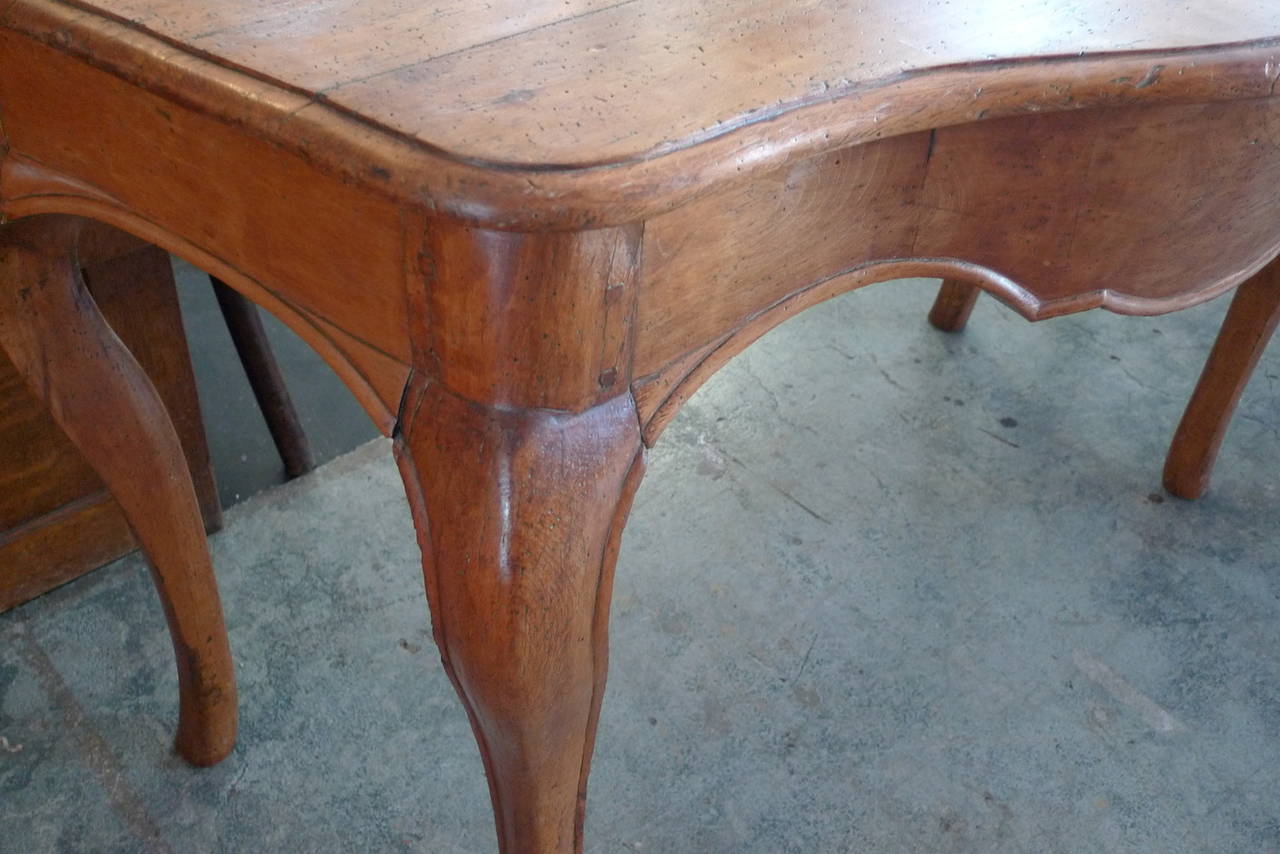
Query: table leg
[[1248, 327], [269, 389], [97, 393], [519, 515], [953, 305]]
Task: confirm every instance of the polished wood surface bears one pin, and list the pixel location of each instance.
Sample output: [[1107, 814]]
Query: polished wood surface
[[102, 399], [520, 612], [602, 81], [570, 158], [524, 234], [57, 520]]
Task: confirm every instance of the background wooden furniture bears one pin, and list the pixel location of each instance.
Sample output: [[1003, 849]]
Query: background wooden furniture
[[95, 390], [57, 520], [524, 235]]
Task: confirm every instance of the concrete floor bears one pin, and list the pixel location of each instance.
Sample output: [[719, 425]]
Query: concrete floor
[[883, 590]]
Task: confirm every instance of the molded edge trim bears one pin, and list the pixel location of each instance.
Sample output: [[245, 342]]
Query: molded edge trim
[[691, 371]]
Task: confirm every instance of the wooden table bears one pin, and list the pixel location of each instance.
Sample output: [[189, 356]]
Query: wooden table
[[524, 232]]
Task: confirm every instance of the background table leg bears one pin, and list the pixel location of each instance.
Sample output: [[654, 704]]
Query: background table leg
[[954, 304], [104, 402], [519, 515], [1248, 327], [269, 389]]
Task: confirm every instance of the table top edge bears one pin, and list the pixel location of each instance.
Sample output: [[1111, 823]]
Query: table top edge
[[561, 195]]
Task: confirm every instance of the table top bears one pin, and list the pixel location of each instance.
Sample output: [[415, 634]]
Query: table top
[[559, 83], [528, 114]]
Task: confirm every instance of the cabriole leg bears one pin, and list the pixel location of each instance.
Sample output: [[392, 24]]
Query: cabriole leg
[[1248, 326], [104, 402], [519, 514]]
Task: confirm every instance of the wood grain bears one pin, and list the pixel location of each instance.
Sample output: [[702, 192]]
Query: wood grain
[[529, 320], [524, 236], [136, 165], [587, 82], [60, 546], [564, 188], [375, 378], [74, 363], [1088, 208], [37, 475]]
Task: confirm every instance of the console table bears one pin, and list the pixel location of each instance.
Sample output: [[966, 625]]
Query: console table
[[524, 233]]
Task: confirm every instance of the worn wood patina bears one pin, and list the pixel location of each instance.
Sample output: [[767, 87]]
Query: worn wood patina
[[524, 233]]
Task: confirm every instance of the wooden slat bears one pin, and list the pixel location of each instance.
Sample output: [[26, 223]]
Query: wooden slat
[[38, 470], [61, 546]]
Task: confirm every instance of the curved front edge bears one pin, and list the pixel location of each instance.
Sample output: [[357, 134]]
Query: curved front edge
[[661, 395], [1135, 210], [376, 379], [322, 251]]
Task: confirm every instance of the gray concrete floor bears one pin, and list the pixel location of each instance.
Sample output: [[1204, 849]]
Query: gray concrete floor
[[883, 590]]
